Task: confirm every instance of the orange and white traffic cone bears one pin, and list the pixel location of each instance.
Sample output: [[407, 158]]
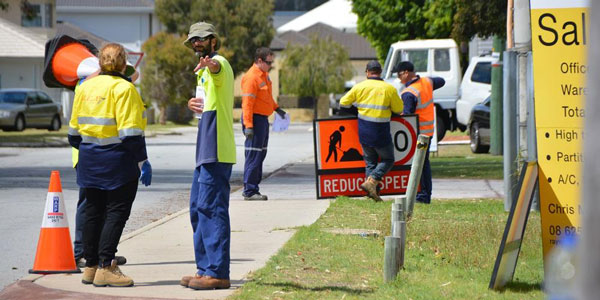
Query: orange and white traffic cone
[[54, 250]]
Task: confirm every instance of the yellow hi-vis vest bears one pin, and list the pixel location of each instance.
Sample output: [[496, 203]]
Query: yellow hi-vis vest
[[105, 110], [423, 90]]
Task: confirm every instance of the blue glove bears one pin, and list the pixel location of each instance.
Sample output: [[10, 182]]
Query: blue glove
[[146, 177]]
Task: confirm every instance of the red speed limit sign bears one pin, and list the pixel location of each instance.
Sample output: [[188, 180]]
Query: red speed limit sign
[[404, 136]]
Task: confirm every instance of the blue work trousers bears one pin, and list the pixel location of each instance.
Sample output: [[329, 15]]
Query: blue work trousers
[[255, 152], [424, 195], [79, 221], [371, 156], [209, 213]]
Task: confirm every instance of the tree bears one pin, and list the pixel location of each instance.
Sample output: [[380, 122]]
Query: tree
[[482, 18], [168, 74], [243, 25], [439, 15], [324, 70], [383, 22]]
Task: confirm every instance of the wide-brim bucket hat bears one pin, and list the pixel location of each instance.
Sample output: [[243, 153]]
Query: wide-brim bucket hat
[[202, 29]]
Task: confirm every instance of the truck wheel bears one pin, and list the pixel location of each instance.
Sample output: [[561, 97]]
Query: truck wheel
[[475, 135], [440, 126]]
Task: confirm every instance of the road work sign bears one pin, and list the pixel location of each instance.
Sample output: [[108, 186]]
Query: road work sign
[[560, 34], [339, 163]]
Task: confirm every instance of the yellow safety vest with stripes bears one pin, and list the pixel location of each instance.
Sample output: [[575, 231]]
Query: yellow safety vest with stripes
[[375, 100], [105, 110]]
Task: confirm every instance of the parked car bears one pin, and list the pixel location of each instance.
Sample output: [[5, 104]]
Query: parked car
[[28, 108], [475, 87], [479, 127]]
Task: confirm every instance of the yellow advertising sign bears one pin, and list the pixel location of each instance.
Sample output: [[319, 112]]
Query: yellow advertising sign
[[560, 34]]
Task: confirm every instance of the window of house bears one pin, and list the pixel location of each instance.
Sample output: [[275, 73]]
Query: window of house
[[36, 15]]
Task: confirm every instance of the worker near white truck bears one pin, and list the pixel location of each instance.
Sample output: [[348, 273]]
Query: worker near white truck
[[417, 97]]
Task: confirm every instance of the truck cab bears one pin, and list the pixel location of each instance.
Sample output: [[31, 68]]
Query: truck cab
[[439, 58]]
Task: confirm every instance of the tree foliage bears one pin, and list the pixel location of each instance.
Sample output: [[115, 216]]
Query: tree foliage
[[383, 22], [243, 25], [168, 74], [322, 66], [482, 18], [439, 15]]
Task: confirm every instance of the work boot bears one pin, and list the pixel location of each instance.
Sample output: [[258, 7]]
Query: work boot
[[256, 197], [88, 275], [370, 186], [112, 276], [121, 260], [185, 280], [208, 283]]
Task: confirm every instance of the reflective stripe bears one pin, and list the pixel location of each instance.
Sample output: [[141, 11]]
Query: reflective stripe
[[100, 141], [423, 105], [418, 94], [262, 84], [253, 149], [96, 121], [249, 95], [73, 131], [426, 123], [373, 106], [373, 119], [427, 130], [130, 132]]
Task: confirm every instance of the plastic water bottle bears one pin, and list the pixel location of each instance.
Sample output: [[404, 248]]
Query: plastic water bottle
[[559, 283], [200, 93]]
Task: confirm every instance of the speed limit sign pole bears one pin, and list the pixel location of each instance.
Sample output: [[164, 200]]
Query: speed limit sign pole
[[415, 172]]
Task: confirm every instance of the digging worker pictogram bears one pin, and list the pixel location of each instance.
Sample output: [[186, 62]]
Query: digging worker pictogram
[[375, 100], [335, 141]]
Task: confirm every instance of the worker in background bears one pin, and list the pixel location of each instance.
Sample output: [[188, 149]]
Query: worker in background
[[417, 97], [107, 127], [375, 100], [257, 106]]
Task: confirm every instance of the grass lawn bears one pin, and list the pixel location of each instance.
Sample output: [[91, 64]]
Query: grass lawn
[[451, 250], [457, 161]]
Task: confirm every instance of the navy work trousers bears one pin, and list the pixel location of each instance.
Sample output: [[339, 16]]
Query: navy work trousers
[[424, 195], [255, 152], [79, 221], [209, 214], [106, 213]]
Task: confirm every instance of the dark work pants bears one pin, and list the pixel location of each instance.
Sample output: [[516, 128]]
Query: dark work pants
[[255, 152], [209, 214], [79, 220], [424, 195], [101, 234]]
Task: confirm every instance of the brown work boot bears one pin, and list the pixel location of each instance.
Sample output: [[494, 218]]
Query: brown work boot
[[370, 186], [88, 275], [208, 283], [112, 276], [185, 280]]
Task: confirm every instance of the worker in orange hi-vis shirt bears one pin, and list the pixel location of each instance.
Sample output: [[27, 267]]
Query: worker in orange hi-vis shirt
[[257, 106]]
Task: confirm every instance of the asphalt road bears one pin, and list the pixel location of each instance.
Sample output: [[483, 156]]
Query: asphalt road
[[25, 173]]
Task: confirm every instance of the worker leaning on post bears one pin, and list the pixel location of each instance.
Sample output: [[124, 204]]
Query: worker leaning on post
[[376, 100], [107, 126]]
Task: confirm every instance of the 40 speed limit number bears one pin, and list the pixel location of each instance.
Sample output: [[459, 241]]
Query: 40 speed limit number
[[404, 137]]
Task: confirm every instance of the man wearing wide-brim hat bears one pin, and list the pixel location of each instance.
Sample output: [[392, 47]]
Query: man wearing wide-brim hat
[[215, 155]]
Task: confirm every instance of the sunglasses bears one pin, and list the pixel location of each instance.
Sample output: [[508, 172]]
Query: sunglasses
[[200, 39], [268, 62]]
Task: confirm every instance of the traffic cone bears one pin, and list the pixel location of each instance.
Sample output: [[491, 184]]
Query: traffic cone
[[67, 60], [54, 250]]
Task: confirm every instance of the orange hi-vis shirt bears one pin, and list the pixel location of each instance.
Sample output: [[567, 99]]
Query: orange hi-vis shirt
[[423, 90], [257, 95]]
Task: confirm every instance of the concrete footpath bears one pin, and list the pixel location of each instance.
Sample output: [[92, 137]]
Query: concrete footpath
[[161, 253]]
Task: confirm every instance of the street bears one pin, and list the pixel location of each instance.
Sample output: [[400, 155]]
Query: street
[[25, 172]]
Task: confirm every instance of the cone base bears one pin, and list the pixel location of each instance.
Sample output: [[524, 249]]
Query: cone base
[[32, 271]]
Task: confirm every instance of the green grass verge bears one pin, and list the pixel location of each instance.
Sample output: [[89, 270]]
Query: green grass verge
[[457, 161], [451, 250]]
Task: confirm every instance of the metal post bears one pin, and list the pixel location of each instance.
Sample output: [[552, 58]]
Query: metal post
[[531, 134], [510, 127], [391, 262], [415, 172], [496, 103], [589, 273]]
